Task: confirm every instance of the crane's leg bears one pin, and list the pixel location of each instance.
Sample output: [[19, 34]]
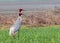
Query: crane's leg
[[18, 34], [14, 35]]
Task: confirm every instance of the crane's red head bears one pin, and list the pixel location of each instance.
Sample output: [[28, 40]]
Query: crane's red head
[[20, 11]]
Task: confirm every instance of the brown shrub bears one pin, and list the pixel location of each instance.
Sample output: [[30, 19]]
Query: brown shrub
[[40, 18]]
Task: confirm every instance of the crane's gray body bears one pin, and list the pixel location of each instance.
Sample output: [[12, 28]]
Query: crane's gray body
[[15, 27]]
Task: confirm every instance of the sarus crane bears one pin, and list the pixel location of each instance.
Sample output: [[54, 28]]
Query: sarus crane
[[16, 26]]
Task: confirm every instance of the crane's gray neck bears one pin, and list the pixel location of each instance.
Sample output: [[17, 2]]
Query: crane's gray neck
[[20, 17]]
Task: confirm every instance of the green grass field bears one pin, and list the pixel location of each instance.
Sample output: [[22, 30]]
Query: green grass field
[[50, 34]]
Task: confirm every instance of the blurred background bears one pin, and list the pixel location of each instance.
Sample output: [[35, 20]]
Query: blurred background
[[41, 23], [38, 12]]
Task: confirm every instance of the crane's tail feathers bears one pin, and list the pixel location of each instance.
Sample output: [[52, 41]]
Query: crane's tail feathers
[[10, 33]]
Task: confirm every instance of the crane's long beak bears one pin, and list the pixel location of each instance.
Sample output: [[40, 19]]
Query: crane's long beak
[[24, 15]]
